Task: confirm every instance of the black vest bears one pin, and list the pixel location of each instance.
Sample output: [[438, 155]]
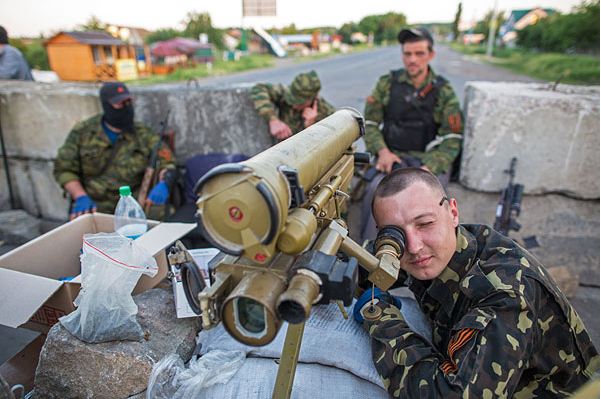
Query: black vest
[[409, 117]]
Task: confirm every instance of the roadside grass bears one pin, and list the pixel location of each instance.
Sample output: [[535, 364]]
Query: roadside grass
[[568, 68], [217, 68]]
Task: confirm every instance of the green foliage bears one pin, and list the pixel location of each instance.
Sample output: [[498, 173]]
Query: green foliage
[[571, 69], [347, 30], [161, 35], [289, 30], [93, 23], [577, 31], [36, 56], [384, 27], [34, 53], [456, 22], [198, 23], [484, 25]]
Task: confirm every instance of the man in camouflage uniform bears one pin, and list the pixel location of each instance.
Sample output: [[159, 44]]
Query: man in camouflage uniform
[[110, 150], [420, 118], [500, 326], [288, 110]]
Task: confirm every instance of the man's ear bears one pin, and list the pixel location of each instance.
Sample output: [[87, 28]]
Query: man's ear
[[454, 212]]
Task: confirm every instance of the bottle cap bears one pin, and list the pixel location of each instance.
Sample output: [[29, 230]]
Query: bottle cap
[[124, 191]]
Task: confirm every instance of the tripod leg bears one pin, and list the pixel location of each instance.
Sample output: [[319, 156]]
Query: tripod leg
[[288, 361]]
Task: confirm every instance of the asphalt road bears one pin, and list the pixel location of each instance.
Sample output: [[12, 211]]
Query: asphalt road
[[348, 78]]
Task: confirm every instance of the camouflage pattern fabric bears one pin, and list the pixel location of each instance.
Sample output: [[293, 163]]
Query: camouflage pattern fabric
[[304, 87], [501, 328], [270, 102], [87, 149], [447, 113]]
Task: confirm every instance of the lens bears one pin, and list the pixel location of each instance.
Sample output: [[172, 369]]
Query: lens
[[391, 235], [193, 284], [250, 315]]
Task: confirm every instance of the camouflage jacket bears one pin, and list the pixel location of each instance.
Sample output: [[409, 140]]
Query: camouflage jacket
[[269, 102], [501, 328], [447, 114], [87, 149]]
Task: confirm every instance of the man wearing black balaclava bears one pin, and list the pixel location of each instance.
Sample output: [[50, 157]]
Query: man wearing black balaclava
[[110, 150]]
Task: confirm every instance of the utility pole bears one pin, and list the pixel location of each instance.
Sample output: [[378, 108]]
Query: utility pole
[[491, 31]]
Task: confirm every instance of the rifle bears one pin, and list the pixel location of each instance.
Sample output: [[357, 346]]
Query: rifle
[[277, 219], [508, 208], [150, 169]]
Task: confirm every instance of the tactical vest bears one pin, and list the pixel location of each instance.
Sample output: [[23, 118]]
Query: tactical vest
[[409, 117]]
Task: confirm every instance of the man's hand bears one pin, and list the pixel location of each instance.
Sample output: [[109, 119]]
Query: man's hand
[[364, 302], [385, 160], [310, 114], [159, 194], [83, 204], [279, 129]]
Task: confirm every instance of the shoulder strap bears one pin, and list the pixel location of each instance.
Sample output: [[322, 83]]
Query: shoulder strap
[[114, 152]]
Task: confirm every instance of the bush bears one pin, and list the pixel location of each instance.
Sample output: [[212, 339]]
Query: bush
[[575, 32]]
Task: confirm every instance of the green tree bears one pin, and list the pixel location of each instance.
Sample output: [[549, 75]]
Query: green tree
[[93, 23], [289, 30], [456, 22], [384, 27], [36, 55], [574, 32], [161, 35], [483, 26], [346, 30], [197, 23]]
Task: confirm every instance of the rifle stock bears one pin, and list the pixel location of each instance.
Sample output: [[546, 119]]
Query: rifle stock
[[151, 168], [148, 175]]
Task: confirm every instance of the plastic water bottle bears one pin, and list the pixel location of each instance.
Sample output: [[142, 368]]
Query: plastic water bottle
[[130, 220]]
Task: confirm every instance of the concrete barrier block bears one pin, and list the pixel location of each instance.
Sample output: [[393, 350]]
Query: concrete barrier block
[[47, 193], [36, 118], [21, 186], [205, 120], [554, 135]]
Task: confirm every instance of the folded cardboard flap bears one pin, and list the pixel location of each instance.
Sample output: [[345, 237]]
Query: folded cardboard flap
[[31, 295], [21, 295]]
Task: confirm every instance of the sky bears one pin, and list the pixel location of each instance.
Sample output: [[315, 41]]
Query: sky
[[30, 18]]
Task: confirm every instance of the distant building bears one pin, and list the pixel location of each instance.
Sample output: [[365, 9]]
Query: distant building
[[518, 20], [358, 37], [94, 56], [473, 38]]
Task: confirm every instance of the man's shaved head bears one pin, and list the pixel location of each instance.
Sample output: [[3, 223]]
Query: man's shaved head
[[399, 179]]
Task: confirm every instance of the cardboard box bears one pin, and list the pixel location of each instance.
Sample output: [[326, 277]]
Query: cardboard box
[[31, 295], [20, 369]]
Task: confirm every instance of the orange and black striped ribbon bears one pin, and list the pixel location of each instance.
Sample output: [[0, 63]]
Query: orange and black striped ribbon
[[457, 341], [455, 123]]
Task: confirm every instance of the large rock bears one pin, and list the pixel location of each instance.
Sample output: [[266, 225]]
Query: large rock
[[70, 368], [553, 133]]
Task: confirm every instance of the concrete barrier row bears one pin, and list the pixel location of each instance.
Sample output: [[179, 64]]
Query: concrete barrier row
[[553, 133]]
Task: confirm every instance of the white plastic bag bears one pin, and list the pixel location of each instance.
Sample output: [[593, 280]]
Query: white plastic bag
[[170, 379], [110, 268]]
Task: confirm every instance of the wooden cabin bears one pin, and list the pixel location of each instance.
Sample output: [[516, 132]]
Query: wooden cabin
[[96, 56]]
